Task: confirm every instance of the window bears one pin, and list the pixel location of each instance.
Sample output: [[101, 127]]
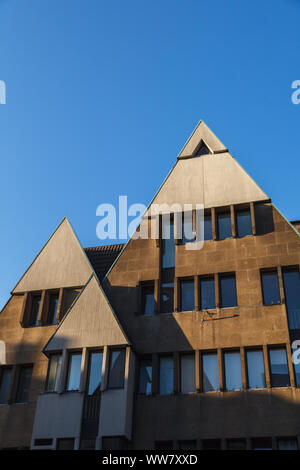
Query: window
[[74, 371], [256, 369], [95, 372], [87, 444], [202, 149], [187, 227], [224, 226], [187, 373], [43, 442], [163, 445], [53, 303], [207, 228], [34, 312], [233, 370], [167, 291], [291, 281], [279, 368], [54, 369], [270, 288], [287, 443], [187, 295], [207, 293], [243, 223], [228, 291], [210, 372], [211, 444], [262, 443], [65, 444], [114, 443], [166, 375], [148, 299], [5, 382], [236, 444], [24, 382], [168, 244], [145, 379], [187, 445], [116, 368]]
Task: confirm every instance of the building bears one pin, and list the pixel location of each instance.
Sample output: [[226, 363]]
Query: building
[[151, 345]]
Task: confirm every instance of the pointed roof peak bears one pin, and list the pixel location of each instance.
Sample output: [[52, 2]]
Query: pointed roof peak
[[202, 135]]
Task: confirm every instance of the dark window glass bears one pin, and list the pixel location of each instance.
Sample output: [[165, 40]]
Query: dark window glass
[[262, 443], [187, 295], [202, 150], [187, 445], [114, 443], [228, 291], [243, 223], [95, 372], [87, 444], [279, 368], [24, 382], [167, 297], [224, 226], [43, 442], [163, 445], [74, 370], [236, 444], [145, 379], [270, 288], [211, 444], [54, 369], [65, 444], [34, 312], [168, 244], [166, 375], [207, 228], [148, 300], [187, 373], [291, 280], [256, 369], [287, 443], [187, 227], [233, 370], [5, 381], [116, 368], [210, 372], [53, 303], [207, 293]]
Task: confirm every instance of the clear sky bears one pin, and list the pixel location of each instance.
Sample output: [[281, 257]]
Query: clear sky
[[102, 95]]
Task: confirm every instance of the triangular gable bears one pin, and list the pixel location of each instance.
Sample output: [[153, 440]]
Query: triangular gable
[[61, 263], [90, 322], [202, 133]]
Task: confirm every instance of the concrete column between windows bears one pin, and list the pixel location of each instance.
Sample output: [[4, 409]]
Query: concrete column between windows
[[41, 309], [244, 368], [177, 301], [105, 365], [157, 296], [63, 372], [252, 213], [281, 287], [178, 224], [217, 290], [198, 371], [221, 370], [83, 370], [196, 293], [233, 222], [267, 366], [59, 305], [290, 365], [214, 223]]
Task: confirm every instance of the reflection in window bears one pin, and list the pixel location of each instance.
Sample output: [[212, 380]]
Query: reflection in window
[[166, 375], [233, 370], [291, 281], [279, 368], [207, 228], [187, 227], [243, 223], [207, 293], [210, 372], [270, 288], [256, 369], [224, 226], [145, 379], [187, 376], [74, 369], [148, 302], [54, 369], [167, 297], [228, 291], [24, 382], [53, 303], [34, 312], [116, 368], [187, 295], [95, 372], [168, 244], [287, 443], [5, 381]]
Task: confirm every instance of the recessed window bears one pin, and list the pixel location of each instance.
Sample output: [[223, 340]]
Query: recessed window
[[207, 228], [187, 295], [287, 443], [74, 370], [43, 442], [145, 378], [95, 372], [53, 303], [168, 244], [256, 369], [65, 444], [224, 225], [210, 372], [270, 287], [187, 227], [34, 311], [233, 370], [167, 291], [243, 223], [54, 369], [116, 368], [207, 293], [166, 375], [148, 302], [202, 149], [262, 443], [5, 382], [279, 368], [24, 382], [187, 373], [291, 281], [228, 291], [236, 444]]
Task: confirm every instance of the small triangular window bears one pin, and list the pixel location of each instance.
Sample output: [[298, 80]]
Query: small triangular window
[[202, 149]]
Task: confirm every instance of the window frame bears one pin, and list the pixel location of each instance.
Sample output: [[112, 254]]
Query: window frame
[[262, 273], [48, 371], [110, 351], [17, 394], [182, 281], [224, 276], [70, 354]]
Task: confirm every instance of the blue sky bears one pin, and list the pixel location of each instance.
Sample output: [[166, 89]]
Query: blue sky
[[101, 96]]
